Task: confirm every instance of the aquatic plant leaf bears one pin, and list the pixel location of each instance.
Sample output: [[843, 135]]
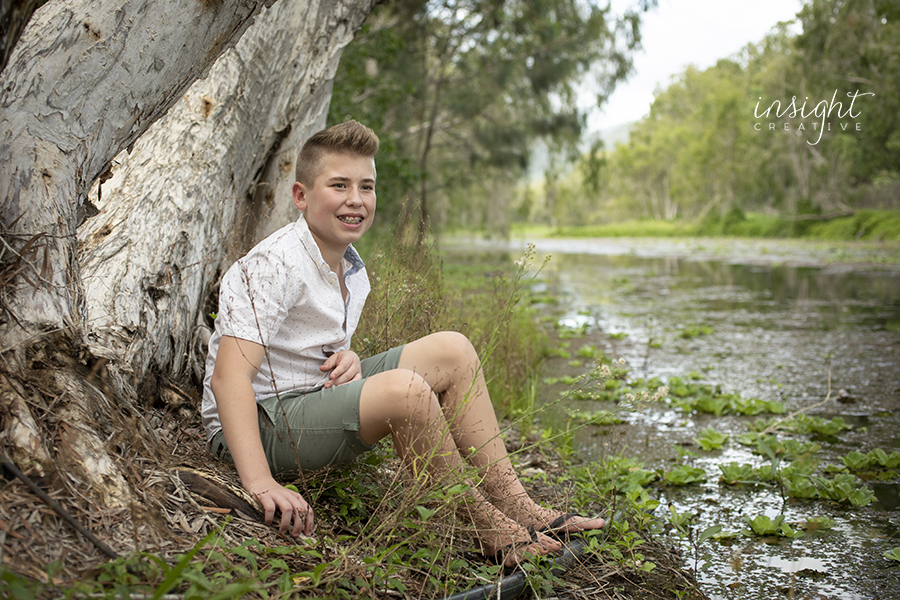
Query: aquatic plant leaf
[[883, 459], [814, 524], [734, 473], [684, 474], [861, 497], [790, 533], [710, 405], [892, 554], [857, 461], [799, 486], [711, 439], [765, 525], [774, 407], [878, 456], [748, 439]]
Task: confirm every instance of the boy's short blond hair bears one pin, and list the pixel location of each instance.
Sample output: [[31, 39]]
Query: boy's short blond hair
[[350, 137]]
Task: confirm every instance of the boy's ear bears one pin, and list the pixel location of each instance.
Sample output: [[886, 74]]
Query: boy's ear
[[299, 194]]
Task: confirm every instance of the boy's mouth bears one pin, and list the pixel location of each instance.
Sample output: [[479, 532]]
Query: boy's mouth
[[351, 219]]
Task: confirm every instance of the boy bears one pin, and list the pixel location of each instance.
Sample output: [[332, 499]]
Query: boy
[[284, 392]]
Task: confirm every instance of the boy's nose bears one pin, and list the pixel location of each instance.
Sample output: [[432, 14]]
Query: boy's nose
[[354, 198]]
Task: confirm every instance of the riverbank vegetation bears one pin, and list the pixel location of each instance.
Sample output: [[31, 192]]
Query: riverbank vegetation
[[877, 225]]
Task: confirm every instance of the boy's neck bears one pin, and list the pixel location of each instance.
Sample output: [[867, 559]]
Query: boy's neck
[[332, 256]]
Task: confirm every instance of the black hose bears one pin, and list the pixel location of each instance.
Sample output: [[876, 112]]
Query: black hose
[[513, 585]]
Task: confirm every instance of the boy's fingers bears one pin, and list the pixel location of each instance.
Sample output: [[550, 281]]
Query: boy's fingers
[[268, 506]]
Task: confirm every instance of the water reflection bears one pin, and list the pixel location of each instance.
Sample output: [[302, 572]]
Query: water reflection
[[834, 298]]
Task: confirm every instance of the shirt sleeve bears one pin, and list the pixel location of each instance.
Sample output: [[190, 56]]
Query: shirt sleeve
[[255, 296]]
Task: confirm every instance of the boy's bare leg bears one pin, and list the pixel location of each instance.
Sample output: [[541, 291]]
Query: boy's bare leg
[[400, 403], [449, 364]]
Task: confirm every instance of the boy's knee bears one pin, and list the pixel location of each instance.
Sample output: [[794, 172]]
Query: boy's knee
[[401, 385], [457, 345]]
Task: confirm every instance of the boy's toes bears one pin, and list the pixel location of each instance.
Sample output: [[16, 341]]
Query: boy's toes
[[547, 543], [569, 523], [513, 555]]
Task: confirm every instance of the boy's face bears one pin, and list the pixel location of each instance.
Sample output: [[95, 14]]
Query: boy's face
[[340, 205]]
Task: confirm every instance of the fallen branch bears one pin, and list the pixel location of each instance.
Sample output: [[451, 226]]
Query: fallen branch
[[57, 508]]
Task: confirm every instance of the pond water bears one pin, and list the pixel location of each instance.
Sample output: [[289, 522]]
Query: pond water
[[792, 322]]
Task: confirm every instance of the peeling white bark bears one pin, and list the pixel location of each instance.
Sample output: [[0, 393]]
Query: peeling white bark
[[22, 430], [171, 215], [85, 80]]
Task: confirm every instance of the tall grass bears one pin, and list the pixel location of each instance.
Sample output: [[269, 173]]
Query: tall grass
[[415, 294]]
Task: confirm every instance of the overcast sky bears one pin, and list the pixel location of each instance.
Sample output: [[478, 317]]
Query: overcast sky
[[686, 32]]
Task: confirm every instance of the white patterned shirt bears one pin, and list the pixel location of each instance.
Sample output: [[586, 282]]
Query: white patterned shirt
[[284, 296]]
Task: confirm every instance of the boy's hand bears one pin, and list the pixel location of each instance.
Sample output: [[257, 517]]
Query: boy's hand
[[344, 367], [273, 496]]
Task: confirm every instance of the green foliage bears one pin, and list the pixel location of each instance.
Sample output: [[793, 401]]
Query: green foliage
[[844, 488], [16, 587], [597, 417], [857, 461], [695, 331], [763, 525], [814, 524], [629, 228], [684, 475], [459, 91], [885, 460], [709, 399], [414, 295], [892, 554], [710, 439], [806, 425], [771, 445], [734, 473], [725, 150], [800, 486]]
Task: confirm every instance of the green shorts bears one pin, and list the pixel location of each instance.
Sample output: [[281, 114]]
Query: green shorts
[[306, 431]]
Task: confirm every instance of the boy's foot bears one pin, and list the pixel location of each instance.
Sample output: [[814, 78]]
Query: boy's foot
[[568, 523], [524, 542]]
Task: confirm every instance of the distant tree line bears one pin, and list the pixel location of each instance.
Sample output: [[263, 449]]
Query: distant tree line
[[799, 124]]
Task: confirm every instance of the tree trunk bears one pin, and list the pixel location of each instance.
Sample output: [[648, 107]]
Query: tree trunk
[[205, 182], [104, 300]]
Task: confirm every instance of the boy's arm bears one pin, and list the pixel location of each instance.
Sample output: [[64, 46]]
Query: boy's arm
[[237, 363]]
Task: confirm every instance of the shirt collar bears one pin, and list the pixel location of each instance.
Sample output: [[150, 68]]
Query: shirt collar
[[306, 238]]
